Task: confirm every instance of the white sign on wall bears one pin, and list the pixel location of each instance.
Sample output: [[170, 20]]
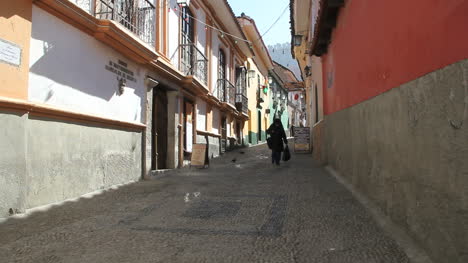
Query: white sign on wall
[[10, 53], [189, 137]]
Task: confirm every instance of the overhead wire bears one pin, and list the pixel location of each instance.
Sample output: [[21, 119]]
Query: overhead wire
[[207, 25], [177, 8], [274, 23]]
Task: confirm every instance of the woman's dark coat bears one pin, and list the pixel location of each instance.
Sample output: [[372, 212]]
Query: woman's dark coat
[[278, 136]]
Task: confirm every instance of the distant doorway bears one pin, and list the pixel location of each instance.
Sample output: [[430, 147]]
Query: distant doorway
[[259, 125], [223, 134], [250, 127]]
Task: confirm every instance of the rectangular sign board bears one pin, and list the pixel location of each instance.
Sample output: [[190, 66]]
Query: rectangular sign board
[[302, 139], [10, 53], [198, 155]]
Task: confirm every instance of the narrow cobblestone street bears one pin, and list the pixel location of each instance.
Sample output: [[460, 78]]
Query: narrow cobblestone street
[[242, 211]]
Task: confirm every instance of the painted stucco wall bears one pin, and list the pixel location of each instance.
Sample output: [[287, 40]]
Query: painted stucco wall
[[214, 62], [252, 89], [43, 161], [201, 115], [173, 31], [252, 103], [64, 160], [67, 70], [15, 27], [407, 151], [216, 120], [229, 126], [12, 162], [218, 45], [266, 105], [200, 29], [427, 35]]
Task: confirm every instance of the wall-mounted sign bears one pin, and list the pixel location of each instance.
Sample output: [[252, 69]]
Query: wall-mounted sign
[[10, 53], [301, 139], [120, 69]]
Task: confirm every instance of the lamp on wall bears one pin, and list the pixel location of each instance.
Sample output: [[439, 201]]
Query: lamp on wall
[[308, 71], [122, 84], [297, 40], [151, 82], [183, 3], [251, 74], [270, 80]]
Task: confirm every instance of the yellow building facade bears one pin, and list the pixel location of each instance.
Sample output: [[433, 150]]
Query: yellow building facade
[[258, 90]]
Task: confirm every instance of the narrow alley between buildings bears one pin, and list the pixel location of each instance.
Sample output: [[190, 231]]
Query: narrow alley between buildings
[[240, 209]]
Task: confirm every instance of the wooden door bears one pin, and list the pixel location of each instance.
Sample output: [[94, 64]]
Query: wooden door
[[259, 126], [223, 134], [250, 127], [160, 124]]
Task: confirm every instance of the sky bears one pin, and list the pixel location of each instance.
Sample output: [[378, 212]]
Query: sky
[[265, 12]]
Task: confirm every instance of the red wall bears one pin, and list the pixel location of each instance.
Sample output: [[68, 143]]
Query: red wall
[[379, 45]]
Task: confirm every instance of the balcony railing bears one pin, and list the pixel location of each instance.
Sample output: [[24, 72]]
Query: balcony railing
[[138, 16], [225, 91], [193, 62], [242, 103]]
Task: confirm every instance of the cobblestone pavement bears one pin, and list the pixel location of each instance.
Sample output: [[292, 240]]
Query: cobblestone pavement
[[243, 211]]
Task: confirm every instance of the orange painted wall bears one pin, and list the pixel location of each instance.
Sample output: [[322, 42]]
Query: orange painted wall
[[15, 27], [379, 45]]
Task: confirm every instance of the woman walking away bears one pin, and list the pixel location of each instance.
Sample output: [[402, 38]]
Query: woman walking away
[[277, 134]]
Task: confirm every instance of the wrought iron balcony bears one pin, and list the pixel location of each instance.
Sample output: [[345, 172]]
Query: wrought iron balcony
[[193, 62], [225, 91], [242, 103], [241, 90], [138, 16]]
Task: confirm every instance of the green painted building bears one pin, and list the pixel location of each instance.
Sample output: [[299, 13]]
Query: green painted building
[[278, 104]]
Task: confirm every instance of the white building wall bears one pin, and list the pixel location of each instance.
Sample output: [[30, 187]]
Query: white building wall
[[201, 115], [227, 51], [214, 59], [216, 120], [173, 33], [68, 70], [200, 30], [216, 46]]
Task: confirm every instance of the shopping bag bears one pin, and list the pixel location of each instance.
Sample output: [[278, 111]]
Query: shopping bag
[[286, 154], [270, 142]]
